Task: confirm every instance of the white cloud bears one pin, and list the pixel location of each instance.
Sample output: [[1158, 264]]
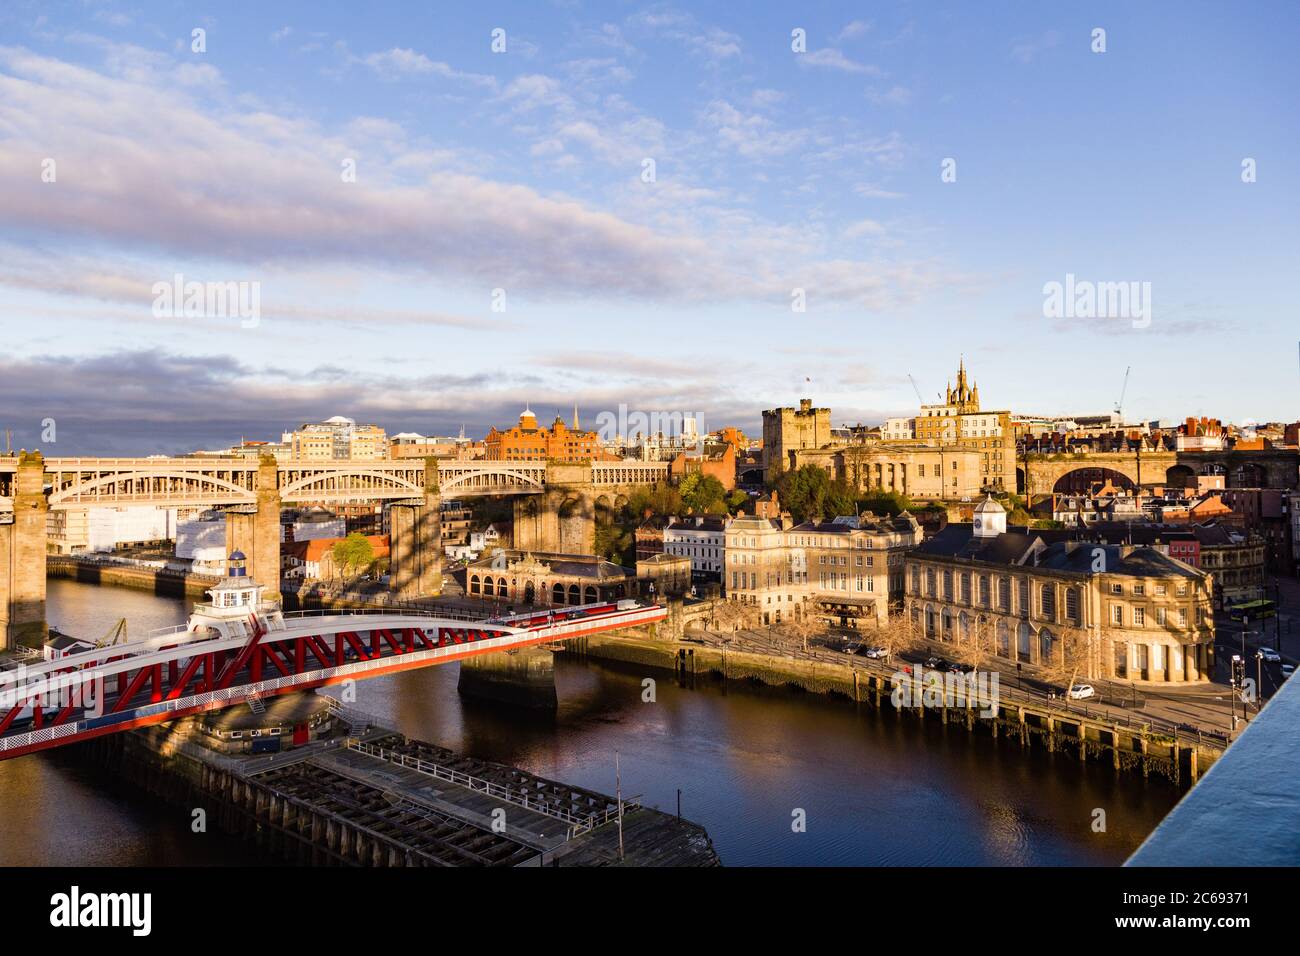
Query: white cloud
[[832, 59]]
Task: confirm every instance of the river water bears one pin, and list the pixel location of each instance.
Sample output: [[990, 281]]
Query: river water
[[871, 788]]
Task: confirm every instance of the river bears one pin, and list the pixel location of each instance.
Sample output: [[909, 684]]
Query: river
[[871, 788]]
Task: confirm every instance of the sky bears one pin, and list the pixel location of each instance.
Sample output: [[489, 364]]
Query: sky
[[696, 208]]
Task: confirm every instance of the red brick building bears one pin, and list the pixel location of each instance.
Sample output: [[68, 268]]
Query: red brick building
[[528, 442]]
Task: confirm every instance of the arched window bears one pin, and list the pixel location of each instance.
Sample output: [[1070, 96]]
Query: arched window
[[1023, 637], [1046, 646], [487, 586], [1004, 640], [963, 626], [1004, 594], [557, 594], [965, 587], [929, 582], [947, 624], [947, 585], [984, 591], [1047, 601], [574, 595], [473, 584], [589, 596], [1072, 605]]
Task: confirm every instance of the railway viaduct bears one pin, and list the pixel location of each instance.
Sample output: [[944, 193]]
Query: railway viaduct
[[555, 509], [1043, 474]]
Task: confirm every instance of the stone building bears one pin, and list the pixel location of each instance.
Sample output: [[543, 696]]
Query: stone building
[[848, 570], [544, 578], [788, 429], [959, 422], [915, 470], [702, 539], [663, 576], [1133, 612]]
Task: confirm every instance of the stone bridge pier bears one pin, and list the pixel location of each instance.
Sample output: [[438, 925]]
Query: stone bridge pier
[[22, 556], [562, 519], [415, 540], [255, 529]]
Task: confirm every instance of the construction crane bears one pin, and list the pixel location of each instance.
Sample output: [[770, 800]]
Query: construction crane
[[115, 634], [1119, 406], [915, 389]]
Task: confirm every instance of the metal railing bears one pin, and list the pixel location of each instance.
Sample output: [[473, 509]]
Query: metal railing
[[577, 825]]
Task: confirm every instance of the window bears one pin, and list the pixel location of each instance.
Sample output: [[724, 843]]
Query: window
[[1004, 594], [1022, 596], [984, 591], [1160, 616], [1047, 601], [1139, 616], [1117, 614], [947, 585], [965, 587], [1182, 617], [1072, 605], [1182, 590], [1117, 589]]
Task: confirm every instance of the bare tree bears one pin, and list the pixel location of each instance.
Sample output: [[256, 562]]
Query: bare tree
[[733, 615], [975, 647], [899, 633], [801, 628], [1072, 652]]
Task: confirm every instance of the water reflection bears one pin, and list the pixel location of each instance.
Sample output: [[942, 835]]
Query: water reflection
[[876, 788]]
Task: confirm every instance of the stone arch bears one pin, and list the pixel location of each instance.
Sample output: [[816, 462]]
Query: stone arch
[[1078, 480], [1180, 476], [557, 593]]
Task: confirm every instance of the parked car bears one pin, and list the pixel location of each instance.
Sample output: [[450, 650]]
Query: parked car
[[936, 663], [850, 647], [1082, 691], [877, 653], [960, 668], [1270, 655], [1287, 670]]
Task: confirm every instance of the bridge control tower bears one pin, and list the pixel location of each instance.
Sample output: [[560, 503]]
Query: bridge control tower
[[236, 601]]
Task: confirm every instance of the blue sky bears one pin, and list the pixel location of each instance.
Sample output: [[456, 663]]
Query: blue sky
[[523, 171]]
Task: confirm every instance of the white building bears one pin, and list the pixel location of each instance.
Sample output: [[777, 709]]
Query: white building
[[898, 429], [202, 540], [703, 539], [479, 541], [110, 528]]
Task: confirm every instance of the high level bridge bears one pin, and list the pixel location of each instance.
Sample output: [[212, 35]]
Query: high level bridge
[[554, 508]]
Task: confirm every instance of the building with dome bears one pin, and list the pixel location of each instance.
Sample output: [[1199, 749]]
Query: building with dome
[[1125, 612], [528, 441]]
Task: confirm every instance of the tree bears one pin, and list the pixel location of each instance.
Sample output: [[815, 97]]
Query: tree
[[885, 502], [803, 491], [733, 615], [1072, 654], [899, 633], [801, 628], [977, 646], [352, 553], [703, 494]]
